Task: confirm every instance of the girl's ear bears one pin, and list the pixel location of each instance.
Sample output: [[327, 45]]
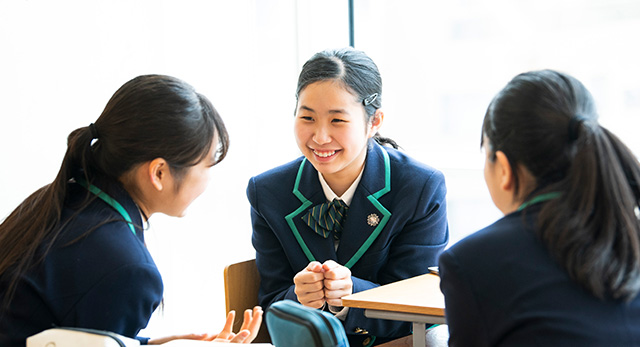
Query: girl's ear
[[506, 180], [158, 173], [376, 121]]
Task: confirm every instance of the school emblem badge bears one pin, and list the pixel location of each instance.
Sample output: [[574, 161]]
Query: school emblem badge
[[373, 219]]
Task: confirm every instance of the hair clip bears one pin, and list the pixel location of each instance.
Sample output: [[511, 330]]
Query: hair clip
[[370, 99]]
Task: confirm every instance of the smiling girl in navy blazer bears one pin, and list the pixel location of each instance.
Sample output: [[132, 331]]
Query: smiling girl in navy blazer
[[388, 221]]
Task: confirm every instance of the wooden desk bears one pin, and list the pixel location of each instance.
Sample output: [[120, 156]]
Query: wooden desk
[[417, 300]]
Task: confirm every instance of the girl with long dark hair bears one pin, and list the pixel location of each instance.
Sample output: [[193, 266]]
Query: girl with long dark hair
[[73, 254], [562, 268]]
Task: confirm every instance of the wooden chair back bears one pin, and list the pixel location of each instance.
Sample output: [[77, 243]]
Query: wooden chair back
[[241, 284]]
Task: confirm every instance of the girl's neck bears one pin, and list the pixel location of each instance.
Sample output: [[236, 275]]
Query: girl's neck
[[341, 181], [338, 186], [129, 184]]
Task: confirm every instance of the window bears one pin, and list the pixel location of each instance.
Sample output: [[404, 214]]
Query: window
[[441, 63]]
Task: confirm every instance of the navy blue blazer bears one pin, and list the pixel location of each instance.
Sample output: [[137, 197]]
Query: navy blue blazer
[[408, 198], [106, 280], [502, 288]]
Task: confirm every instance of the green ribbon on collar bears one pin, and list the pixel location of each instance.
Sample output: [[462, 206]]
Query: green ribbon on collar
[[110, 201], [539, 198]]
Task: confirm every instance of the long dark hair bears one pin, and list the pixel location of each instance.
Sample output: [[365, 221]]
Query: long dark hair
[[546, 121], [149, 117], [356, 71]]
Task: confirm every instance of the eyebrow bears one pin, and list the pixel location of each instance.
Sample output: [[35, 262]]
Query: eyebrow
[[336, 111], [305, 108]]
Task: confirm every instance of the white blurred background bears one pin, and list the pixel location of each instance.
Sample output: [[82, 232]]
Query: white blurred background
[[441, 63]]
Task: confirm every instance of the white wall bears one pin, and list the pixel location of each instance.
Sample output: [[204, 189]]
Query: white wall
[[61, 61], [441, 63]]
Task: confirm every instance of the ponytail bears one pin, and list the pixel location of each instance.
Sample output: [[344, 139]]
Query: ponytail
[[382, 141], [31, 229], [593, 229], [546, 122]]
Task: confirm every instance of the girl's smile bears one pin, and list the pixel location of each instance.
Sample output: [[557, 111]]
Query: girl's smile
[[332, 131], [325, 154]]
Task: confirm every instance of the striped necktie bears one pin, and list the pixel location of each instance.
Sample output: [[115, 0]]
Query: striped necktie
[[327, 217]]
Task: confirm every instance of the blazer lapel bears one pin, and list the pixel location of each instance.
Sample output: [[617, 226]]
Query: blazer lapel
[[367, 217], [308, 191]]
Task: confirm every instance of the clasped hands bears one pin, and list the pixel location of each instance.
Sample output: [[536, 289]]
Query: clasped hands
[[318, 284]]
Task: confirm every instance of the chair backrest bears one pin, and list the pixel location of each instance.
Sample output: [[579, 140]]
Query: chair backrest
[[241, 284]]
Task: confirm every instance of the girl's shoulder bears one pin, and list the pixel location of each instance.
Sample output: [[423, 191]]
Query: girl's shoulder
[[511, 233], [94, 229], [406, 168], [281, 172], [99, 231]]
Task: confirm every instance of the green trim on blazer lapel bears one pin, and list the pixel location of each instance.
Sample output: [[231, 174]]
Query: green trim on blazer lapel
[[305, 205], [373, 198]]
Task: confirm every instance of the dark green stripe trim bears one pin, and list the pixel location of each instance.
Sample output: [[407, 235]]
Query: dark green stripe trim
[[373, 198], [305, 205]]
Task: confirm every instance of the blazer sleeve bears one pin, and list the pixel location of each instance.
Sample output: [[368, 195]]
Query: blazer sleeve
[[464, 320], [122, 302], [421, 240], [414, 248], [276, 273]]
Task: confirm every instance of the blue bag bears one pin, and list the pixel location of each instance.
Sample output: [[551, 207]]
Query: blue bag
[[293, 325]]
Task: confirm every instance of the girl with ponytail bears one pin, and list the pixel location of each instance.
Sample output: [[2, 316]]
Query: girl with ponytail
[[563, 266], [72, 254]]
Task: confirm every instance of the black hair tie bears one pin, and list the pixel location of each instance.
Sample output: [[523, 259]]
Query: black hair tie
[[574, 124], [94, 131]]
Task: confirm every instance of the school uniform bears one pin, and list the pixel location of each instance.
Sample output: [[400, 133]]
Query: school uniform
[[396, 227], [104, 280], [503, 288]]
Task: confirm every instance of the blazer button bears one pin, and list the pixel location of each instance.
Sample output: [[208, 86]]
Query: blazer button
[[366, 341], [360, 331]]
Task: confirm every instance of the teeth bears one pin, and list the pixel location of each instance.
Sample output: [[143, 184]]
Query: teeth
[[324, 154]]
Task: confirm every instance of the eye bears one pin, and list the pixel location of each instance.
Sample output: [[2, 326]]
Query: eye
[[338, 120], [306, 118]]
